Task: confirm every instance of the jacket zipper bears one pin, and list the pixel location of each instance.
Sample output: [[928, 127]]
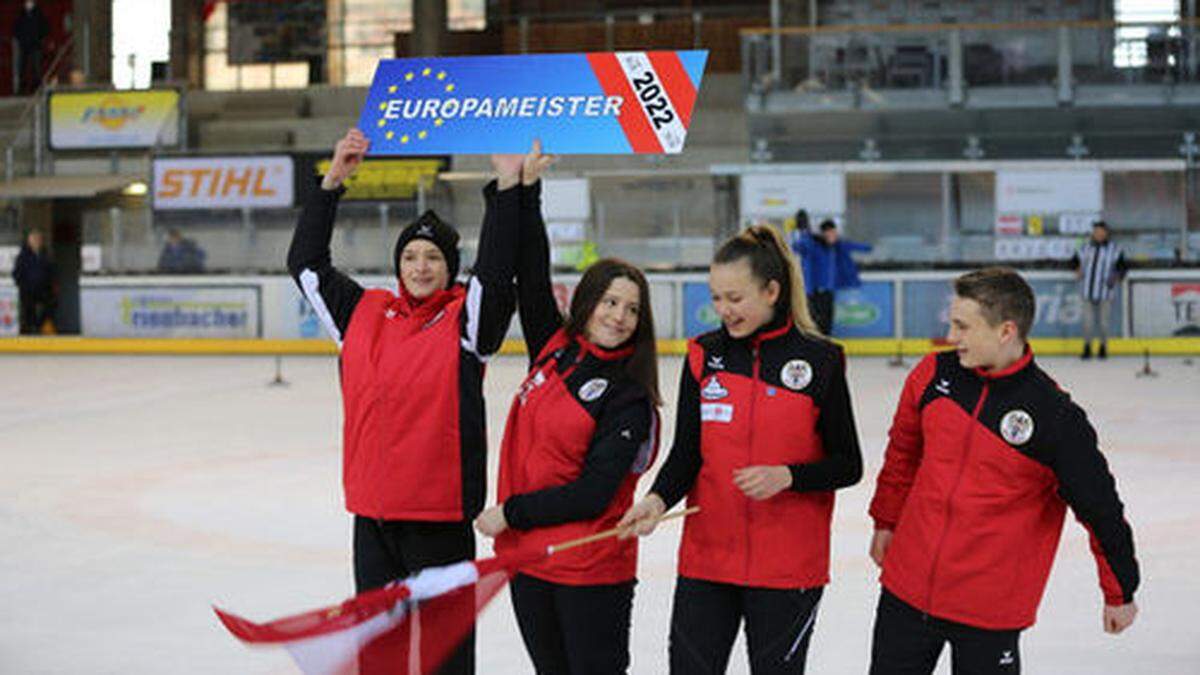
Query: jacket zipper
[[953, 490], [750, 453]]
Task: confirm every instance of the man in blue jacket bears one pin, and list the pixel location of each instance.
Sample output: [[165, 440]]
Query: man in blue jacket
[[828, 267]]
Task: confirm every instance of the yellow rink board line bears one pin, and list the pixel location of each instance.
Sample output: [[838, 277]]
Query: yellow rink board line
[[202, 346]]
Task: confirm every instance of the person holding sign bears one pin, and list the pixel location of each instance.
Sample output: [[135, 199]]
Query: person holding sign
[[764, 434], [411, 367], [582, 429]]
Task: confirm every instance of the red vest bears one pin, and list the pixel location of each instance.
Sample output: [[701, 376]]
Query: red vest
[[757, 408], [545, 442], [401, 400]]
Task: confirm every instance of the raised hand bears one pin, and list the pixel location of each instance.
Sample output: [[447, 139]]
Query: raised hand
[[347, 155], [535, 164]]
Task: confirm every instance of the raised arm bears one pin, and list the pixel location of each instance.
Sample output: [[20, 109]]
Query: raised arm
[[491, 299], [540, 318], [332, 294]]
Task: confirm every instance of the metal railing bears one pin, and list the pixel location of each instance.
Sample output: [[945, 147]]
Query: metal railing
[[34, 103], [953, 59]]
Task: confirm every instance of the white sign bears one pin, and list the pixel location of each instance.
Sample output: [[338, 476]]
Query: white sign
[[779, 196], [1035, 248], [1048, 191], [223, 182], [171, 311], [565, 199], [90, 258], [1166, 308], [8, 259], [1077, 223]]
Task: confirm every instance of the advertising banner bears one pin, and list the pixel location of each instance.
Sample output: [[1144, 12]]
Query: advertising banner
[[378, 179], [9, 318], [114, 119], [233, 182], [1169, 308], [1059, 309], [1049, 191], [866, 311], [598, 103], [171, 311], [778, 196]]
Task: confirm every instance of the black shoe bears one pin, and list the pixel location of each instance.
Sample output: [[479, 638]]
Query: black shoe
[[1087, 351], [1103, 353]]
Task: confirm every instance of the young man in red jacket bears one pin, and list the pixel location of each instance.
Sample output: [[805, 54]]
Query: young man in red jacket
[[985, 455]]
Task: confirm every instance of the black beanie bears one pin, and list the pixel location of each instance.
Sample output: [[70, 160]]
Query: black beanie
[[430, 227]]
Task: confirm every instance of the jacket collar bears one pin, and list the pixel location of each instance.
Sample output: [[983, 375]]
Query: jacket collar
[[588, 347], [1021, 365]]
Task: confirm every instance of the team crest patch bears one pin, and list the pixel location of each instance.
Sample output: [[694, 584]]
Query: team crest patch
[[713, 390], [593, 389], [1016, 427], [796, 374]]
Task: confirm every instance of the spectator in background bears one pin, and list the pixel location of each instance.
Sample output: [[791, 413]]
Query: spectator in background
[[34, 275], [29, 31], [180, 255], [828, 267], [1100, 265]]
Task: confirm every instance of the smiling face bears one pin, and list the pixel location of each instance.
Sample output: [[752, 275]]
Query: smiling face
[[423, 268], [979, 343], [615, 317], [742, 301]]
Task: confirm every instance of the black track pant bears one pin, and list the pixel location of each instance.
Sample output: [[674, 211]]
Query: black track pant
[[820, 305], [706, 617], [393, 549], [574, 630], [908, 642]]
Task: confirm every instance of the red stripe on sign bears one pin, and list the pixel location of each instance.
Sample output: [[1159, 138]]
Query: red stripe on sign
[[632, 118], [676, 82]]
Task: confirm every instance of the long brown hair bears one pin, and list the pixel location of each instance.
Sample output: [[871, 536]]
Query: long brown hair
[[770, 260], [643, 364]]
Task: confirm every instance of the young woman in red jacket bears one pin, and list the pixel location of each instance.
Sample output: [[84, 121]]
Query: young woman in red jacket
[[411, 370], [581, 430], [764, 435]]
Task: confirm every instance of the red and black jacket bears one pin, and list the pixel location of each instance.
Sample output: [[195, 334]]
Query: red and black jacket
[[978, 473], [414, 445], [580, 433], [778, 397]]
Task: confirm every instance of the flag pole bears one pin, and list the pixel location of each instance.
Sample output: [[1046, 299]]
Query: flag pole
[[608, 534]]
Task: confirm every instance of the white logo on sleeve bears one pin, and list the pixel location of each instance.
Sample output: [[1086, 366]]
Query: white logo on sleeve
[[1006, 658], [716, 362], [943, 387], [1016, 427], [593, 389], [713, 391], [796, 374]]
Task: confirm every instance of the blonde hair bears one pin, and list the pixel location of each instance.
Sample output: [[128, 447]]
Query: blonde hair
[[771, 260]]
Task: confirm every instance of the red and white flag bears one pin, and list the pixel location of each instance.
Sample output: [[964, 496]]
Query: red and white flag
[[409, 626]]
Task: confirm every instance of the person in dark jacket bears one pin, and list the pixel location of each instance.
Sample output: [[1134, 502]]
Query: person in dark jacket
[[985, 455], [180, 255], [828, 268], [581, 430], [764, 435], [29, 32], [411, 366], [33, 274]]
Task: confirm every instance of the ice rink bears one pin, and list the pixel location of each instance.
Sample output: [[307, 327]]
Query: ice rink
[[135, 492]]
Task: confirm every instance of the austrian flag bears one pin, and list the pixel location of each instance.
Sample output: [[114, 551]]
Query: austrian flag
[[408, 626]]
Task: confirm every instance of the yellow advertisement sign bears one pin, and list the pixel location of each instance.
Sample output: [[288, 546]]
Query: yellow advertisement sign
[[114, 119], [381, 179]]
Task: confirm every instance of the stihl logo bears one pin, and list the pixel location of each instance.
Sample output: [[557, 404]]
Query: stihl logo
[[216, 182]]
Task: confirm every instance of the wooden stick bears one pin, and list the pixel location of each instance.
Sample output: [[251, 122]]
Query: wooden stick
[[609, 534]]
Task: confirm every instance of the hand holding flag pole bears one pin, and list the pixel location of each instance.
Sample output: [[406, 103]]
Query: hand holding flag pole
[[374, 625]]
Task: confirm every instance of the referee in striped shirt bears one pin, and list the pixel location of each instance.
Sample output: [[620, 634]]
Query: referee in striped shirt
[[1100, 265]]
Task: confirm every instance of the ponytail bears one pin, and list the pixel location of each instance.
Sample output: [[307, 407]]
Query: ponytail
[[771, 260]]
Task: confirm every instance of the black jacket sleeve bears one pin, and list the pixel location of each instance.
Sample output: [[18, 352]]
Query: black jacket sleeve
[[679, 471], [332, 294], [540, 318], [842, 465], [619, 434], [1087, 486], [490, 296]]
